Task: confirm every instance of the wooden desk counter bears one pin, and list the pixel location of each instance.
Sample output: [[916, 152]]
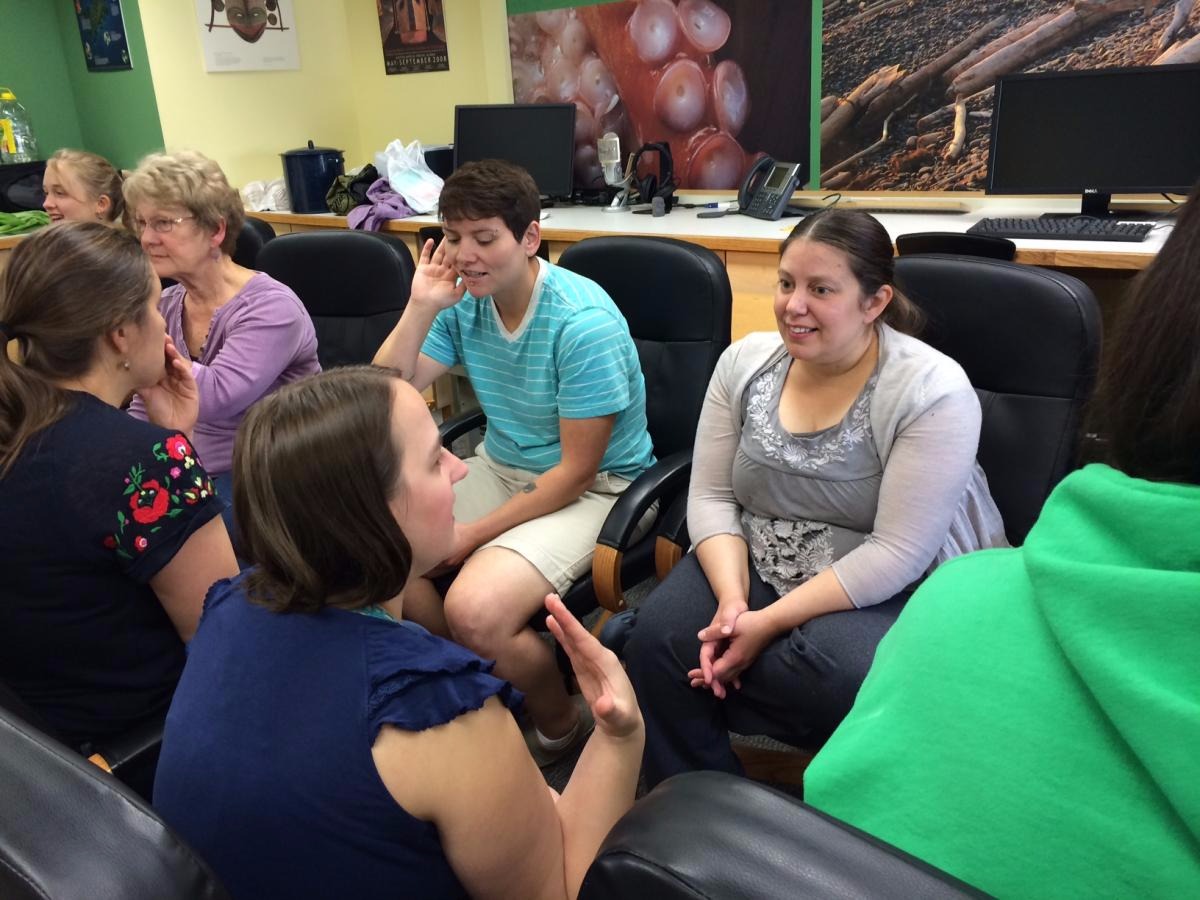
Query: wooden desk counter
[[750, 247], [6, 245]]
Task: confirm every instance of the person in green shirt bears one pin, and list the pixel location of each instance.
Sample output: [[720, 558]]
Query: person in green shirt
[[1031, 722]]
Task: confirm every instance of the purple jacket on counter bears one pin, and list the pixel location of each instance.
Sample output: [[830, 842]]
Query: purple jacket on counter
[[384, 204]]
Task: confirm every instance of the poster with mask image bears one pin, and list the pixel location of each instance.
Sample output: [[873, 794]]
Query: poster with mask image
[[248, 35]]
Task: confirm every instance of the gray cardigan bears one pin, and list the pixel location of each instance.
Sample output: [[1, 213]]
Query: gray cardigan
[[934, 502]]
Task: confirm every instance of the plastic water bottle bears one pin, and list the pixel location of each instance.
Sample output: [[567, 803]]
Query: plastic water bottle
[[17, 143]]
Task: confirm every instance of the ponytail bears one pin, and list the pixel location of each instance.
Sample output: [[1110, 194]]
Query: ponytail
[[64, 288]]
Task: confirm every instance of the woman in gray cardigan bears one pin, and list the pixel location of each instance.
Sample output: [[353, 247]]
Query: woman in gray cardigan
[[834, 467]]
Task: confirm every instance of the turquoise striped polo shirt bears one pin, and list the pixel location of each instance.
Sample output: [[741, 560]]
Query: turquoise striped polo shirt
[[571, 357]]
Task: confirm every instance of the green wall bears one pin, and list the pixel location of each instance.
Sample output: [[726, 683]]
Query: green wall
[[32, 64], [41, 59], [118, 116]]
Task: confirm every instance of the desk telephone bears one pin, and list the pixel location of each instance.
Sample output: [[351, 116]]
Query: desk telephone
[[768, 188]]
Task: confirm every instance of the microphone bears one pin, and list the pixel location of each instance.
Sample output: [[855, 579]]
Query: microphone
[[608, 148]]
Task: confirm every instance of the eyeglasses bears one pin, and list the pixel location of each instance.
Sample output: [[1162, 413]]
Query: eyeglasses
[[161, 226]]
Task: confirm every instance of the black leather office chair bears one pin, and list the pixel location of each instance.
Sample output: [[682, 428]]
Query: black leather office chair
[[254, 234], [677, 300], [1029, 340], [708, 835], [131, 756], [354, 285], [68, 830], [956, 242]]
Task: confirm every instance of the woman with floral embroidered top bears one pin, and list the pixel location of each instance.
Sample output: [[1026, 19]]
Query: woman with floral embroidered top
[[109, 531], [834, 466]]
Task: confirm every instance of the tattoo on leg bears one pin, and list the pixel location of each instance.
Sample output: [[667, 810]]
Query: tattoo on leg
[[529, 488]]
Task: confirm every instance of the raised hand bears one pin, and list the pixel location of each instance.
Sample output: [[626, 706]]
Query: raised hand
[[174, 400], [600, 675], [435, 283]]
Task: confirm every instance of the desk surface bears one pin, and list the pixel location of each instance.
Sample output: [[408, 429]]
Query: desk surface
[[734, 232]]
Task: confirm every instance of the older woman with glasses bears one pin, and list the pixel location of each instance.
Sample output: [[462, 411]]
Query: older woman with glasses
[[244, 333]]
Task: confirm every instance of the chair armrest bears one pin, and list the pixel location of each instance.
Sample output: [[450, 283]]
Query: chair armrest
[[662, 480], [129, 749], [454, 428], [709, 834], [673, 540]]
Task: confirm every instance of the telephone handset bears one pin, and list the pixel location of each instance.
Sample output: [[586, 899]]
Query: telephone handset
[[768, 188]]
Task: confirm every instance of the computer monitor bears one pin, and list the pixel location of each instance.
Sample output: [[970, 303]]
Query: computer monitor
[[1096, 133], [539, 137]]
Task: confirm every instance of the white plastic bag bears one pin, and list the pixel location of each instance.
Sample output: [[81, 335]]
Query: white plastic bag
[[266, 196], [407, 172]]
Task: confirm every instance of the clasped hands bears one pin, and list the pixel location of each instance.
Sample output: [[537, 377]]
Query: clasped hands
[[729, 645]]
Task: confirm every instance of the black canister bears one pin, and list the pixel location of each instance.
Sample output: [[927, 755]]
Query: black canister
[[309, 173]]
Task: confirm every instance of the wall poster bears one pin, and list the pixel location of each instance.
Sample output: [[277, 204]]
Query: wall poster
[[102, 30], [722, 81], [927, 70], [248, 35], [413, 33]]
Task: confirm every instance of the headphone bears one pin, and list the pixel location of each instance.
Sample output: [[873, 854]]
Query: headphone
[[662, 185]]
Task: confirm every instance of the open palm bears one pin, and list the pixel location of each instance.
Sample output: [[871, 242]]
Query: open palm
[[435, 282], [601, 677]]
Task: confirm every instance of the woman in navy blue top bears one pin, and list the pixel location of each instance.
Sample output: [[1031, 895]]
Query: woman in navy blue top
[[318, 745], [110, 534]]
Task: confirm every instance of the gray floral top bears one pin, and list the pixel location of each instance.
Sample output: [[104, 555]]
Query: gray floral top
[[831, 476]]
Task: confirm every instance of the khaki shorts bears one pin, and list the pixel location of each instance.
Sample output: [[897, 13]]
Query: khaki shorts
[[559, 545]]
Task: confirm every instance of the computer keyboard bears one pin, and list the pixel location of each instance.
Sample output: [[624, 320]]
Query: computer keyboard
[[1074, 228]]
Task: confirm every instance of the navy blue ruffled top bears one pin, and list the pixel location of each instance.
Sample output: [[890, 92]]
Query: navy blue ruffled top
[[266, 766]]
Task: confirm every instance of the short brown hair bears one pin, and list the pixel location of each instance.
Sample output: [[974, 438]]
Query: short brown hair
[[314, 467], [1146, 409], [491, 187], [868, 250], [196, 183], [63, 289], [99, 178]]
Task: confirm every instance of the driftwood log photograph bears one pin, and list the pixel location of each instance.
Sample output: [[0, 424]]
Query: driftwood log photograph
[[908, 84]]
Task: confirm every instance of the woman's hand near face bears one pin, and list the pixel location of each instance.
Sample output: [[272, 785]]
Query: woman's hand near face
[[601, 677], [435, 283], [174, 401]]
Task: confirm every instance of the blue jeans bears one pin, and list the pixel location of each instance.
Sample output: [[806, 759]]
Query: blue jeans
[[797, 691]]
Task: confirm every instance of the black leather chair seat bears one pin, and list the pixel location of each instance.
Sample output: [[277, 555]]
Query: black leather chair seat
[[69, 830], [712, 835]]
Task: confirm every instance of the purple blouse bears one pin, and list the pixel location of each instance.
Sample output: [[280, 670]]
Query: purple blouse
[[260, 340]]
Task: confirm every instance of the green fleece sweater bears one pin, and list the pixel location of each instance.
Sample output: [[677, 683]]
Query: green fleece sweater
[[1031, 723]]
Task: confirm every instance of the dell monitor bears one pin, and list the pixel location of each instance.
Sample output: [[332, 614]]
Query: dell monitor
[[539, 137], [1096, 133]]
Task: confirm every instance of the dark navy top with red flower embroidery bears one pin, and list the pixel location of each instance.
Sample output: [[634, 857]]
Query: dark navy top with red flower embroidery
[[92, 509]]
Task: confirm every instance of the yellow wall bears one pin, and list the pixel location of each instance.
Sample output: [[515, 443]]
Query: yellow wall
[[340, 96]]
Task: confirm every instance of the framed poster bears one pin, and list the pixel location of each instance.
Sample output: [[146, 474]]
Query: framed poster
[[102, 30], [248, 35], [413, 33]]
